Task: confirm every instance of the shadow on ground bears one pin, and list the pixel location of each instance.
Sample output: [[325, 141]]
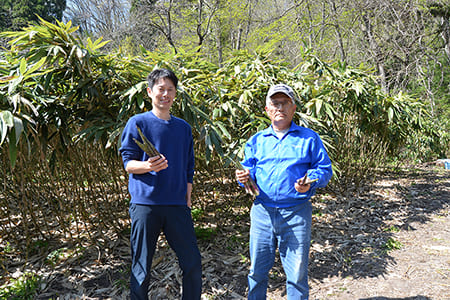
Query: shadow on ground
[[353, 233]]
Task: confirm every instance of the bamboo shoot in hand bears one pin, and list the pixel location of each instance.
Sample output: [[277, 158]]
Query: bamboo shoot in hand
[[146, 145], [305, 180], [250, 186]]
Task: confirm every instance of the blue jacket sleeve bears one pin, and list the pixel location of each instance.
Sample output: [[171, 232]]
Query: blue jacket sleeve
[[249, 161], [321, 165]]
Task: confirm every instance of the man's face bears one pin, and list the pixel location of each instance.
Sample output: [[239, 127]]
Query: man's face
[[281, 109], [162, 94]]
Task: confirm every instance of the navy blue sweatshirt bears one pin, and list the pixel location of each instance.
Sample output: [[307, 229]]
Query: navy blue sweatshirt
[[173, 139]]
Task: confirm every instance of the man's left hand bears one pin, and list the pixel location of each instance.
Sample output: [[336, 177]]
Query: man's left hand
[[303, 184]]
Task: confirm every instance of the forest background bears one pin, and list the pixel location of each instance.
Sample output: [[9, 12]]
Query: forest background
[[372, 78]]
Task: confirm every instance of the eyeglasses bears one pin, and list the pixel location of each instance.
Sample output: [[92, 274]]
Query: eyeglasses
[[280, 105]]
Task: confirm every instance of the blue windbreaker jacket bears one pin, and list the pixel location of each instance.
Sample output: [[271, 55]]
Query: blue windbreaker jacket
[[275, 164]]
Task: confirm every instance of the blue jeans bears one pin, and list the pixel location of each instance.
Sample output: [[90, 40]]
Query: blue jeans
[[147, 221], [289, 229]]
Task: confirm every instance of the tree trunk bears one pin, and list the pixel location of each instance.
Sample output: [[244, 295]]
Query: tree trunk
[[338, 31], [445, 34], [376, 53]]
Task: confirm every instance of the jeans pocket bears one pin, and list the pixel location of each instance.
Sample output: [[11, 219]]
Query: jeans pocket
[[132, 209]]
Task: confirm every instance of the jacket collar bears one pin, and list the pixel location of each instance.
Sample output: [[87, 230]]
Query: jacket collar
[[269, 130]]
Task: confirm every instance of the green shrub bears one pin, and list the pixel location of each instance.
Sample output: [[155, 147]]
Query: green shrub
[[22, 288]]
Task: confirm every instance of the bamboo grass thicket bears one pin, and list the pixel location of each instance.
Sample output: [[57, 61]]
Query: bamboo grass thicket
[[146, 145]]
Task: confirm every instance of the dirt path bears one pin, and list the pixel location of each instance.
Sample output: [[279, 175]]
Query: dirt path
[[419, 270], [392, 242]]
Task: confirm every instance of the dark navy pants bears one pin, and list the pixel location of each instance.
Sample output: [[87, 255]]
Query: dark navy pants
[[147, 221]]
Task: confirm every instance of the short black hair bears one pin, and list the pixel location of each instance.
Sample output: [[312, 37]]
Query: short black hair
[[157, 74]]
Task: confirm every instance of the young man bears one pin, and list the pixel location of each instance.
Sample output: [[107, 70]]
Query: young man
[[160, 188], [288, 163]]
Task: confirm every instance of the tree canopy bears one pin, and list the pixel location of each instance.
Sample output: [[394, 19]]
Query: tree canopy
[[407, 43], [16, 14]]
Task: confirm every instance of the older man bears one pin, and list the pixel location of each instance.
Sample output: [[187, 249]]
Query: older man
[[288, 163]]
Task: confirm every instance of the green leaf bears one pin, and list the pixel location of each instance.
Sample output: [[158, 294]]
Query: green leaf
[[224, 130], [330, 111], [209, 148], [358, 87], [216, 141], [6, 121], [23, 66], [140, 101], [318, 105], [18, 128], [113, 136], [390, 114], [14, 83], [37, 65], [97, 44]]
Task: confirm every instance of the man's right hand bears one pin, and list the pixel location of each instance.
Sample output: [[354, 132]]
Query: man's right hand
[[155, 163], [242, 175]]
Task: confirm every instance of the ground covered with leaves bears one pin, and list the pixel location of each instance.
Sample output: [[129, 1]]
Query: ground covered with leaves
[[382, 240]]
